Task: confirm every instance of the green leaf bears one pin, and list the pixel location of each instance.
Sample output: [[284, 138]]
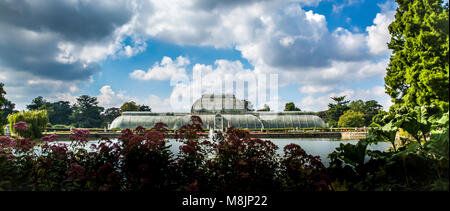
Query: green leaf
[[443, 122], [439, 145]]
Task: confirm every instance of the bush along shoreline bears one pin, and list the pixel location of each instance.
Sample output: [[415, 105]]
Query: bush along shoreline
[[235, 162]]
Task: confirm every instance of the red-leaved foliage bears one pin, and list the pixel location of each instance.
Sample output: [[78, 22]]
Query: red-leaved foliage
[[141, 159], [21, 126]]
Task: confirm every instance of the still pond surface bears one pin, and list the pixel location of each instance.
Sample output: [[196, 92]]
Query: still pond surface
[[313, 146]]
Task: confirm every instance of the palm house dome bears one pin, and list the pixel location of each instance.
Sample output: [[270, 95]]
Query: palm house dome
[[218, 103]]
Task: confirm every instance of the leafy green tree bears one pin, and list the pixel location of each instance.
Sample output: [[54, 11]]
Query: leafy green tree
[[7, 108], [372, 108], [132, 106], [2, 94], [60, 112], [379, 118], [144, 108], [336, 110], [38, 103], [86, 112], [418, 72], [369, 109], [109, 115], [357, 105], [129, 106], [351, 118], [291, 107]]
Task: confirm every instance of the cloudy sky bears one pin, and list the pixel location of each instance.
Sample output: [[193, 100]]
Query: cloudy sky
[[122, 50]]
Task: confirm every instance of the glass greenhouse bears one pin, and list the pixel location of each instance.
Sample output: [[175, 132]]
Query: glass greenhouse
[[220, 112]]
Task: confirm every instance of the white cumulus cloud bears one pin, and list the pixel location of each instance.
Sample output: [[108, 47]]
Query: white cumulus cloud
[[378, 34], [108, 98], [164, 70]]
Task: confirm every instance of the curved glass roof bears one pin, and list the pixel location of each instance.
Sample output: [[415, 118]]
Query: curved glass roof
[[291, 120], [148, 120], [250, 120], [218, 103]]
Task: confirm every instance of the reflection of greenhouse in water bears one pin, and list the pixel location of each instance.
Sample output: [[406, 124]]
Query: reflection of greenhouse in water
[[220, 112]]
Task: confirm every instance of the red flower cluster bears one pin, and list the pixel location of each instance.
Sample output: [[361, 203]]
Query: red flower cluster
[[191, 130], [49, 138], [5, 142], [311, 168], [140, 130], [23, 144], [59, 149], [5, 146], [188, 149], [20, 126], [105, 147], [292, 151], [160, 126], [80, 136]]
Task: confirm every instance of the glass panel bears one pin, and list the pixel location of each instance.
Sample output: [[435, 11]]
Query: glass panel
[[238, 121], [283, 121], [280, 122], [302, 121], [228, 103], [171, 121], [294, 121], [232, 120], [299, 121], [314, 121], [308, 121], [254, 122], [211, 120], [289, 121], [267, 124], [272, 123], [158, 119], [141, 121]]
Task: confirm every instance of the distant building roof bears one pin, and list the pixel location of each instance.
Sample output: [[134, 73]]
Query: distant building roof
[[218, 103]]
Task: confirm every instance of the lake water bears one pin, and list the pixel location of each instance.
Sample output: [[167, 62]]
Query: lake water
[[323, 146], [313, 146]]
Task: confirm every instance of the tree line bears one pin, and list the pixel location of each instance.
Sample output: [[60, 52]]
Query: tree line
[[84, 113], [345, 113]]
